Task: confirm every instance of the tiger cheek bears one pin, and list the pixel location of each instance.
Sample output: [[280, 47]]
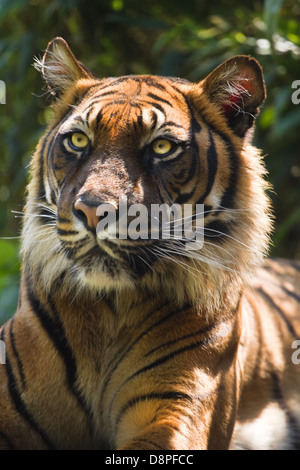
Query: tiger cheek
[[60, 168]]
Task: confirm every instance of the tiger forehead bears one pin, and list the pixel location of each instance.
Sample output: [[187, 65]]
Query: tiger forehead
[[134, 86], [141, 102]]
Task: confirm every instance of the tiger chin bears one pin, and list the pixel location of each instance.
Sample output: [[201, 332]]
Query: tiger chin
[[140, 343]]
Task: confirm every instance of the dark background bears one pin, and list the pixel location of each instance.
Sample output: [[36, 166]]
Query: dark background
[[186, 38]]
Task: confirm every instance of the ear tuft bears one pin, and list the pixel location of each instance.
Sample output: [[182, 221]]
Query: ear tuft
[[60, 68], [237, 87]]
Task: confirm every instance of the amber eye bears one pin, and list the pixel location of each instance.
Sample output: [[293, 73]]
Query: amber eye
[[162, 146], [78, 141]]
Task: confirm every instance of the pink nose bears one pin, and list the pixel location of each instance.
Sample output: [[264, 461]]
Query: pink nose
[[89, 213]]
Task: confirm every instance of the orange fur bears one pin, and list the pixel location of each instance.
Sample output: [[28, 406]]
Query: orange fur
[[140, 344]]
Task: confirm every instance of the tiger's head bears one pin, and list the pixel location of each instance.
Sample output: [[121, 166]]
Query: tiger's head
[[146, 140]]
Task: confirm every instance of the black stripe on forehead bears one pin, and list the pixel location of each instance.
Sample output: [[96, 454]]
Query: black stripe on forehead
[[158, 93], [149, 80], [168, 88], [158, 98]]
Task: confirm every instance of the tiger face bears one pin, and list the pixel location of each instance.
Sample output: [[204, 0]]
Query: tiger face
[[146, 140], [98, 162]]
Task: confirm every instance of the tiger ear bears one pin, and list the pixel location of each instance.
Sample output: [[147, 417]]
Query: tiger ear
[[60, 68], [237, 87]]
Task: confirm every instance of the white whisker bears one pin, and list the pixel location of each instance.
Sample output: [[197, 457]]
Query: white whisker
[[11, 238], [231, 237], [163, 254], [180, 250], [197, 214]]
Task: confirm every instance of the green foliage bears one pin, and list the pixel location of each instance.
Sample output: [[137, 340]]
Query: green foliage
[[9, 278], [169, 37]]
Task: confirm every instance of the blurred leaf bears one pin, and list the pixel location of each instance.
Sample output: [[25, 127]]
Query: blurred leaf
[[267, 117], [8, 301], [271, 12], [9, 278], [293, 219], [8, 254], [286, 123]]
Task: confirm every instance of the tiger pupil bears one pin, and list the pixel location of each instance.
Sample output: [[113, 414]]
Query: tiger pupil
[[162, 146], [79, 140]]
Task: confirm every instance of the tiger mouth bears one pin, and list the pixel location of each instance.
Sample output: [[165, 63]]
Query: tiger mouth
[[115, 260]]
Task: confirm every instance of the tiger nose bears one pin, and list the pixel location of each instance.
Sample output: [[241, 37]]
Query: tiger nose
[[87, 213], [91, 214]]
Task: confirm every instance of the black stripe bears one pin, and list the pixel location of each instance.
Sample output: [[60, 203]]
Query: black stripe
[[112, 367], [164, 359], [194, 129], [98, 118], [140, 120], [152, 82], [274, 306], [66, 232], [15, 351], [106, 93], [55, 331], [5, 438], [174, 396], [61, 220], [182, 198], [160, 193], [80, 120], [152, 327], [229, 194], [19, 301], [159, 107], [41, 190], [156, 97], [54, 195], [46, 217], [212, 164], [216, 229], [294, 429], [192, 170], [148, 445], [163, 184], [50, 164], [110, 304], [86, 119], [181, 338], [188, 347], [178, 80], [85, 94], [207, 210], [171, 161], [20, 405], [171, 124], [154, 120], [291, 293]]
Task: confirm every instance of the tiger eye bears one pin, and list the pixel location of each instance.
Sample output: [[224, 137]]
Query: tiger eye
[[78, 141], [162, 146]]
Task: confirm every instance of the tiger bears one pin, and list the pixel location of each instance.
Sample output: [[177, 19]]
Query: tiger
[[150, 343]]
